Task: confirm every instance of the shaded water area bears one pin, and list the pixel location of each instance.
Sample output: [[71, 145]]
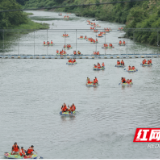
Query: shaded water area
[[32, 92]]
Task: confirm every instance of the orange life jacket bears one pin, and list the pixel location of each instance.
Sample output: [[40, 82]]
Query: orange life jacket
[[30, 150], [73, 108], [22, 152], [103, 64], [15, 148], [64, 108]]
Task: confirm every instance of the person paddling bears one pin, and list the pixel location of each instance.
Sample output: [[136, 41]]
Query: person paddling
[[31, 150], [15, 149]]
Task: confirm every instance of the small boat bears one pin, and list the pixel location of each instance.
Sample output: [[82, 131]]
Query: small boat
[[135, 70], [67, 113], [70, 63], [48, 44], [122, 44], [58, 54], [65, 36], [8, 155], [67, 47], [99, 36], [91, 84], [120, 65], [98, 69], [146, 64], [126, 84], [80, 38], [107, 47]]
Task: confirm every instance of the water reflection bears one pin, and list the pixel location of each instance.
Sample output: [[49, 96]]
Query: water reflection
[[66, 118]]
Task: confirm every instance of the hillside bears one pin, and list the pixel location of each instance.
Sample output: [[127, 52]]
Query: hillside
[[15, 20], [144, 14]]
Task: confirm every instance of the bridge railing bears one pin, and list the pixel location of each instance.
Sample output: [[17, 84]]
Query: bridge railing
[[16, 41]]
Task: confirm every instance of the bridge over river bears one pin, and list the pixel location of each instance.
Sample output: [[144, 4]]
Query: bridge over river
[[103, 56]]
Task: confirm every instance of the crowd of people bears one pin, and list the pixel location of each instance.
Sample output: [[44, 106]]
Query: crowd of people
[[22, 152], [72, 60], [95, 81], [48, 43], [99, 66], [147, 62], [120, 63], [62, 52], [70, 109], [123, 80], [120, 43]]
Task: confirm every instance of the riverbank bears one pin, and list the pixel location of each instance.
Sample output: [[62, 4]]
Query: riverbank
[[31, 25], [144, 14]]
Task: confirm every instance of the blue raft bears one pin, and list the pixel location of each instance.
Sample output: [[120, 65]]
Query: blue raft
[[146, 64], [131, 70], [67, 113], [8, 155], [91, 84], [98, 69], [69, 63], [125, 84], [120, 66]]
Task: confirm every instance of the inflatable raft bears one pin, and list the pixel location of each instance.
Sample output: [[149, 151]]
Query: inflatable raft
[[120, 66], [80, 38], [126, 84], [99, 36], [91, 84], [135, 70], [47, 45], [98, 69], [58, 54], [107, 47], [8, 155], [65, 36], [70, 63], [67, 113], [67, 48], [146, 64], [122, 44]]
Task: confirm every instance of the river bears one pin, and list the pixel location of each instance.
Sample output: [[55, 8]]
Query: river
[[32, 92]]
